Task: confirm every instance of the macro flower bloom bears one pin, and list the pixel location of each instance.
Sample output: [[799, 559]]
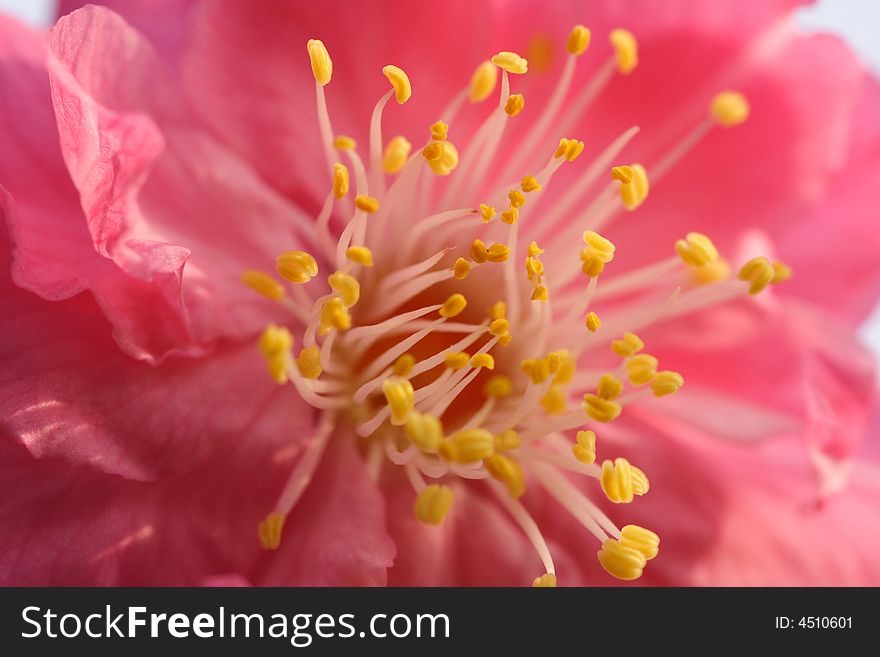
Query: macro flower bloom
[[503, 310]]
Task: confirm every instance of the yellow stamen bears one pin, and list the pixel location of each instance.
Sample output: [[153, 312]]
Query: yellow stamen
[[578, 40], [573, 150], [322, 65], [344, 143], [540, 293], [620, 481], [487, 212], [483, 360], [628, 345], [479, 252], [626, 48], [469, 445], [461, 268], [400, 396], [453, 305], [514, 104], [447, 160], [424, 430], [758, 272], [666, 383], [510, 216], [432, 151], [368, 204], [634, 193], [483, 81], [498, 386], [455, 360], [346, 286], [334, 315], [641, 539], [309, 362], [296, 266], [609, 387], [439, 131], [400, 81], [729, 108], [517, 198], [360, 255], [534, 250], [507, 471], [781, 272], [498, 253], [433, 503], [403, 365], [554, 401], [560, 150], [641, 369], [545, 581], [499, 326], [498, 310], [597, 254], [696, 250], [585, 449], [565, 371], [262, 283], [534, 269], [269, 531], [507, 440], [275, 344], [396, 152], [530, 184], [592, 322], [711, 273], [340, 180], [537, 369], [621, 561], [511, 62], [600, 409]]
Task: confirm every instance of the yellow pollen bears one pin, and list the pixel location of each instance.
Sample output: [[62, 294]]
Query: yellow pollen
[[621, 561], [453, 305], [469, 445], [461, 268], [396, 152], [545, 581], [262, 283], [517, 198], [368, 204], [666, 383], [447, 161], [609, 387], [334, 315], [627, 49], [499, 327], [540, 293], [433, 503], [620, 481], [585, 449], [487, 212], [483, 360], [530, 184], [641, 369], [628, 345], [729, 108], [322, 65], [439, 131], [592, 322], [483, 81], [554, 401], [309, 362], [758, 272], [479, 252], [507, 440], [498, 253], [600, 409], [622, 174], [296, 266], [696, 250], [424, 430], [634, 193], [360, 255], [498, 310], [781, 272], [400, 396], [269, 531], [340, 180], [346, 286], [514, 104], [537, 369], [511, 62], [455, 360], [403, 365], [344, 143], [598, 252], [507, 471], [498, 386], [578, 40], [510, 216], [641, 539], [400, 81]]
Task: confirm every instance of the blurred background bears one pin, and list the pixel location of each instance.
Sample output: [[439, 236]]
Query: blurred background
[[857, 21]]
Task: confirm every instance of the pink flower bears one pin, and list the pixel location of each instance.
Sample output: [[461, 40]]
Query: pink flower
[[159, 159]]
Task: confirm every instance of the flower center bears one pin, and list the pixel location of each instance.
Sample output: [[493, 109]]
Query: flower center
[[436, 339]]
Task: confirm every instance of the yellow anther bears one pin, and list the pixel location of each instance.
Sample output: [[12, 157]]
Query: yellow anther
[[296, 266], [622, 174], [609, 387], [565, 370], [560, 150], [424, 430], [334, 315], [634, 193], [360, 255], [545, 581], [729, 108], [537, 369], [592, 322], [344, 143], [696, 250], [621, 561], [781, 272], [504, 339], [534, 250], [510, 216], [396, 152], [514, 104], [517, 198], [530, 184], [498, 310], [479, 252], [554, 359], [554, 401], [322, 65], [498, 253], [507, 440], [585, 449], [262, 283], [400, 396], [433, 503], [507, 471], [641, 539], [487, 211], [461, 268], [275, 344], [453, 305], [534, 269], [368, 204], [346, 286], [455, 360], [498, 386], [309, 362], [620, 481], [499, 326], [598, 252], [448, 160], [540, 293], [641, 369], [400, 81], [758, 272], [403, 365], [628, 345], [471, 445], [340, 180], [600, 409], [433, 151], [269, 531], [627, 49], [439, 131], [666, 383], [483, 360], [511, 62], [711, 273], [578, 40], [573, 149], [483, 81]]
